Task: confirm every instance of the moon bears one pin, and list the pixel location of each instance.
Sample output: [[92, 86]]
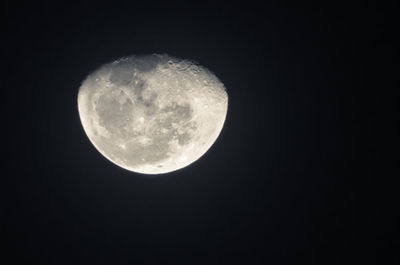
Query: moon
[[152, 114]]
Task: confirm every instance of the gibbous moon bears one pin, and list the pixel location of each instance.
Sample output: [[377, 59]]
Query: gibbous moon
[[152, 114]]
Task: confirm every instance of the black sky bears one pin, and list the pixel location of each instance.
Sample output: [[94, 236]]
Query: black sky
[[302, 173]]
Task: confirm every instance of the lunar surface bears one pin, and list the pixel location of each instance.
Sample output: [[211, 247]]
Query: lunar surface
[[152, 114]]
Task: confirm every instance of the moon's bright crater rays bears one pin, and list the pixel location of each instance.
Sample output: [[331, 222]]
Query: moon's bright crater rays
[[152, 114]]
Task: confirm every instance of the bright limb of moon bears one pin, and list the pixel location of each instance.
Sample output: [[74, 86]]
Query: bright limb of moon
[[152, 114]]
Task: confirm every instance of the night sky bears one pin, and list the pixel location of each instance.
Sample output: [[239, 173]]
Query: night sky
[[302, 172]]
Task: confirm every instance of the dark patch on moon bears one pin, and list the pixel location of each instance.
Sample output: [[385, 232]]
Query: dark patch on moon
[[142, 98], [122, 71], [184, 138], [114, 110], [146, 63], [178, 112]]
